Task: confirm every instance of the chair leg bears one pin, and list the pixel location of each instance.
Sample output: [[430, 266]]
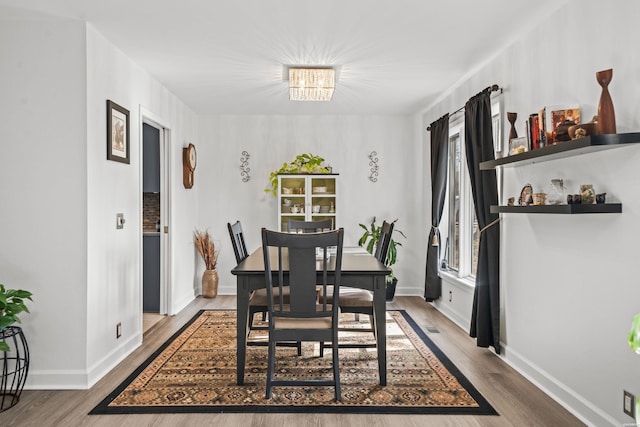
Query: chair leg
[[321, 349], [270, 367], [336, 369], [357, 316], [299, 348]]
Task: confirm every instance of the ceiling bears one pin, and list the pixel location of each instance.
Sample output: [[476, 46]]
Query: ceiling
[[227, 56]]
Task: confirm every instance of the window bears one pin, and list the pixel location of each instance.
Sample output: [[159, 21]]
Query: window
[[460, 202], [462, 232]]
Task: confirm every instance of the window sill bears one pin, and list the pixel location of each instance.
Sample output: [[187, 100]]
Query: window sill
[[452, 277]]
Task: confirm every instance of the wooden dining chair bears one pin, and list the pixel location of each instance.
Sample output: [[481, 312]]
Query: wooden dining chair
[[258, 298], [299, 226], [306, 317], [360, 301]]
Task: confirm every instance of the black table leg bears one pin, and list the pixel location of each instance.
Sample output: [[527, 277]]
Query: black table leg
[[380, 315], [242, 313]]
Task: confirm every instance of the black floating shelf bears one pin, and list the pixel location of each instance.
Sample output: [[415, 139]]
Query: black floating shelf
[[560, 209], [559, 150]]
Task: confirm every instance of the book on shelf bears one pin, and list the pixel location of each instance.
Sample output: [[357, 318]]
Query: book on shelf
[[533, 125]]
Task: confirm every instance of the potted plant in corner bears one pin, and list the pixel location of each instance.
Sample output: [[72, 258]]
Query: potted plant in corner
[[303, 163], [370, 239], [15, 357], [207, 250]]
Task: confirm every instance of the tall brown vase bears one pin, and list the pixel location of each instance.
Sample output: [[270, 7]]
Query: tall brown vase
[[512, 119], [606, 114], [210, 283]]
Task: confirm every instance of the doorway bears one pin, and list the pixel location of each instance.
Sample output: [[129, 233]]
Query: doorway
[[155, 232]]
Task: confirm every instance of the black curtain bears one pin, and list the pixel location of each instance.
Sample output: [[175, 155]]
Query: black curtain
[[439, 157], [485, 318]]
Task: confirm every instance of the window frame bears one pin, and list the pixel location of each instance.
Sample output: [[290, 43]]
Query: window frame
[[456, 131]]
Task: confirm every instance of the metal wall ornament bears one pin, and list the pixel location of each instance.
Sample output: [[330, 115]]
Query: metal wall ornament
[[373, 162], [244, 166]]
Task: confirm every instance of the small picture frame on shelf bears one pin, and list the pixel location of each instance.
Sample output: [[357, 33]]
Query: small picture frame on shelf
[[518, 145], [558, 119]]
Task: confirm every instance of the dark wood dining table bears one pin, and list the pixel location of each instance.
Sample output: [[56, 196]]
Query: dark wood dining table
[[359, 270]]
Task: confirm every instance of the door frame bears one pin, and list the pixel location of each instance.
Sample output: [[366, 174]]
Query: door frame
[[152, 119]]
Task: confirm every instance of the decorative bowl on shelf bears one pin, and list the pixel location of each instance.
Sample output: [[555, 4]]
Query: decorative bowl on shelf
[[319, 189], [286, 190]]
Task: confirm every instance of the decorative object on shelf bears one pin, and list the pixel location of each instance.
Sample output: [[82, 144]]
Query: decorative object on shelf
[[511, 201], [369, 240], [587, 194], [244, 166], [584, 129], [557, 194], [526, 195], [189, 160], [303, 163], [533, 129], [606, 113], [539, 199], [601, 198], [574, 199], [512, 119], [14, 351], [117, 133], [518, 145], [373, 162], [207, 250], [558, 120]]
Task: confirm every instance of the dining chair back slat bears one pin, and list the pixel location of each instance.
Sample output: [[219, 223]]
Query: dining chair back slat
[[237, 241], [384, 240]]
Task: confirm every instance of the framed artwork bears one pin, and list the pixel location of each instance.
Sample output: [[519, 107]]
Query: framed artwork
[[117, 133], [518, 145], [557, 115]]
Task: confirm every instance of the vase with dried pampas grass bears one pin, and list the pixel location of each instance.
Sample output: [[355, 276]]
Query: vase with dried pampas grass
[[207, 250]]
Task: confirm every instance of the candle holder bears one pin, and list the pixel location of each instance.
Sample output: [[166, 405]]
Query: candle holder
[[512, 119], [606, 113]]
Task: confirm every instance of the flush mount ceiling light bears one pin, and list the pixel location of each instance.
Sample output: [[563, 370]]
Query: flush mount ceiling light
[[311, 84]]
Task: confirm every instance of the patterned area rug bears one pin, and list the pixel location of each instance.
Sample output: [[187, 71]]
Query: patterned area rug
[[195, 371]]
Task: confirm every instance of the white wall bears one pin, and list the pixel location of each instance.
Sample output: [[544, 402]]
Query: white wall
[[345, 142], [60, 196], [43, 197], [568, 282], [114, 256]]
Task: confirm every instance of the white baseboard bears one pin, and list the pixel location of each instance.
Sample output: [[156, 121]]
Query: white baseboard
[[78, 379], [584, 410]]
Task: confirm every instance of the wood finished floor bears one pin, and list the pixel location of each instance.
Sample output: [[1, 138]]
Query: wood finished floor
[[518, 402]]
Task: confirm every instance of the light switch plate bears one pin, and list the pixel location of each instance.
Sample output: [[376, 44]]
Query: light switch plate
[[629, 404], [119, 221]]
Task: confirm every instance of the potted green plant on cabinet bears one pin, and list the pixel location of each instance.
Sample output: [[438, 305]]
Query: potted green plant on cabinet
[[303, 163], [369, 241], [15, 357]]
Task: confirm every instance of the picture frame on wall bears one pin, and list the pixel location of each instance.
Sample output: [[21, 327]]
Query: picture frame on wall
[[117, 133]]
